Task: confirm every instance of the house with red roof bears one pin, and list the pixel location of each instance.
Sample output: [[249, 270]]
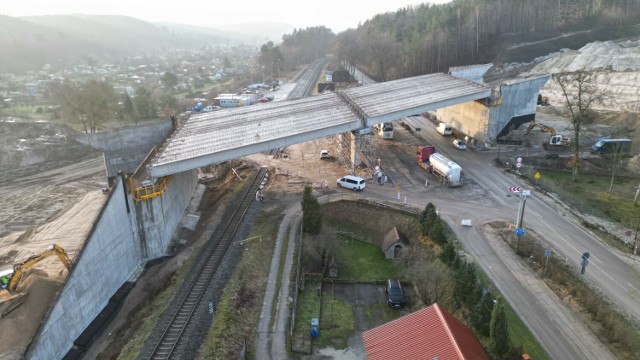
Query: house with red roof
[[427, 334]]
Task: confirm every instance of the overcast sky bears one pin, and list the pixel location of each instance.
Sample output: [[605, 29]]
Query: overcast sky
[[338, 15]]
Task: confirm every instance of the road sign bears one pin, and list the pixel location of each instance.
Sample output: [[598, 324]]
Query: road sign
[[537, 176], [526, 192], [548, 252], [519, 160], [515, 188], [518, 165], [519, 231]]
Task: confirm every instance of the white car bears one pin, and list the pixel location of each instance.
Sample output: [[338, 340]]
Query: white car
[[459, 144], [324, 154], [354, 183]]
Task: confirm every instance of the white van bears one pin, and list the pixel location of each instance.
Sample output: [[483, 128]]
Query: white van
[[444, 129], [352, 182]]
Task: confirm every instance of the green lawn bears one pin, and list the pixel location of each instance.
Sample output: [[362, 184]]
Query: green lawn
[[590, 194], [336, 324], [360, 261]]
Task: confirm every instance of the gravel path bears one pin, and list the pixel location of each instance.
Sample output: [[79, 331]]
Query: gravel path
[[270, 343]]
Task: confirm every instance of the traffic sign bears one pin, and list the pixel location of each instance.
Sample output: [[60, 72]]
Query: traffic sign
[[518, 165], [519, 160], [515, 188], [537, 176], [519, 231]]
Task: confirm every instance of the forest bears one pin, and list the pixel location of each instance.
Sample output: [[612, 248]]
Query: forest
[[431, 38]]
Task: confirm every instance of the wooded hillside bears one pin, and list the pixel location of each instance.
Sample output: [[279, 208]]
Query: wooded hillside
[[431, 38], [28, 43]]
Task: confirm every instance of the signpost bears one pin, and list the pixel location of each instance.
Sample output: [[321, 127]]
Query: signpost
[[584, 262], [519, 233], [547, 255], [537, 176]]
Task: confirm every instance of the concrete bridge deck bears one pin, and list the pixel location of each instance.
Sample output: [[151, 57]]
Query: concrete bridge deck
[[211, 138]]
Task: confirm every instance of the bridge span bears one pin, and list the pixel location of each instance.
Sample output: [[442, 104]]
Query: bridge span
[[215, 137]]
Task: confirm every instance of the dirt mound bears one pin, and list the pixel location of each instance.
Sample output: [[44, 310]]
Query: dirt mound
[[25, 144], [20, 326]]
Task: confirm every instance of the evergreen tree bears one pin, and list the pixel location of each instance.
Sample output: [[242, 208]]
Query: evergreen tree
[[448, 253], [311, 212], [128, 111], [465, 290], [498, 331], [437, 232], [481, 314], [423, 215]]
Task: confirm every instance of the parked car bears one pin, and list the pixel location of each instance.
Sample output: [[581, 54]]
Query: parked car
[[352, 182], [459, 144], [395, 295], [263, 100], [444, 129], [211, 108], [324, 154]]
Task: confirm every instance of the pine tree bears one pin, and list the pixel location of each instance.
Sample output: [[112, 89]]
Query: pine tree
[[465, 290], [424, 217], [498, 331], [481, 314], [311, 212], [448, 253], [437, 233]]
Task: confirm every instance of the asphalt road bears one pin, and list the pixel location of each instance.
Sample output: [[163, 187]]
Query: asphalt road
[[485, 197]]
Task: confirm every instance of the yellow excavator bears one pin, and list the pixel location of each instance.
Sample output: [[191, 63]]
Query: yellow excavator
[[555, 140], [9, 280]]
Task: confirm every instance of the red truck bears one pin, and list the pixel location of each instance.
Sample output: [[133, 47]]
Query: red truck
[[423, 156]]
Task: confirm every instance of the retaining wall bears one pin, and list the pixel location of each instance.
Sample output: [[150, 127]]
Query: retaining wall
[[124, 149], [117, 248]]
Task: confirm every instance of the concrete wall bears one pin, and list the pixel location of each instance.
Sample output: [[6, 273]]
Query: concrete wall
[[108, 258], [124, 149], [116, 249], [156, 219], [470, 118], [485, 121], [519, 98]]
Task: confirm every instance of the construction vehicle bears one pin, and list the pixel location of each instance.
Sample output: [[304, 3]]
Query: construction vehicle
[[9, 297], [423, 156], [555, 139], [449, 172], [543, 100]]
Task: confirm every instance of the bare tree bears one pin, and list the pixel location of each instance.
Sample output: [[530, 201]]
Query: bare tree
[[580, 92]]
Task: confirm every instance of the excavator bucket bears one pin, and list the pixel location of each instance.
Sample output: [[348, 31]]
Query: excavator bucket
[[9, 301]]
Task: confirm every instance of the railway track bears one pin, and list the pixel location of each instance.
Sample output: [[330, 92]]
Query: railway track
[[307, 80], [181, 316]]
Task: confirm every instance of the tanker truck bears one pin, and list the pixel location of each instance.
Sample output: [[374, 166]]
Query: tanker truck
[[448, 171]]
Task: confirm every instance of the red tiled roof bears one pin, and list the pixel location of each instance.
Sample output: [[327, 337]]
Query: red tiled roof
[[427, 334]]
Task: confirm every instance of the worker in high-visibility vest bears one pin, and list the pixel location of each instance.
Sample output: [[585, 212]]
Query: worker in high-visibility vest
[[4, 282]]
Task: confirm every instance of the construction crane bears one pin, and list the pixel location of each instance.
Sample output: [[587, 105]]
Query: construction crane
[[11, 279], [555, 140]]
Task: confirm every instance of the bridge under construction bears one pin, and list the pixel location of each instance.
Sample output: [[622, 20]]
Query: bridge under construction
[[211, 138]]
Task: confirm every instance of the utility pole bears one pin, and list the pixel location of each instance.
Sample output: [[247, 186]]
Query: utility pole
[[523, 201]]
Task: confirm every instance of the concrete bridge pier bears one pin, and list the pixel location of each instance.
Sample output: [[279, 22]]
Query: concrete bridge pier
[[356, 147]]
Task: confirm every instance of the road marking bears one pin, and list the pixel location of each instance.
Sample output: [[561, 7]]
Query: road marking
[[634, 288]]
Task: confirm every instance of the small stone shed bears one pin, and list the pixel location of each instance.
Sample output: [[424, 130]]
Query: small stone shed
[[395, 244]]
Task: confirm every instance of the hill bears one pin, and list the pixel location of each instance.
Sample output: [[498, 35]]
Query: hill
[[68, 39]]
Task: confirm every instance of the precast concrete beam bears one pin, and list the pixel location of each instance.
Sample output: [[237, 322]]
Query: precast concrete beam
[[194, 162]]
